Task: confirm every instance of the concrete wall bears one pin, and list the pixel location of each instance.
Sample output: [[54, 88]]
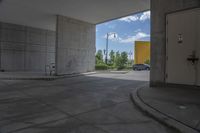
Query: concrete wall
[[159, 9], [25, 49], [75, 46]]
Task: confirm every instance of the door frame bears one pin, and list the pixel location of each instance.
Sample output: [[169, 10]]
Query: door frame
[[166, 46]]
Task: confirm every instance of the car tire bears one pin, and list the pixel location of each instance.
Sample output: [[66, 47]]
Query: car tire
[[147, 68]]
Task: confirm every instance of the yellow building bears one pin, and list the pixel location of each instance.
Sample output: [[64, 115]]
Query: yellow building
[[142, 52]]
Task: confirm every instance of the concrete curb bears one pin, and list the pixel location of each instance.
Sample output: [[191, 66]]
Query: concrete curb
[[46, 77], [159, 116], [113, 72]]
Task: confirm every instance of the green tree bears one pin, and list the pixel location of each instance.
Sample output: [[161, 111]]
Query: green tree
[[117, 55], [147, 62], [99, 57], [118, 60], [112, 57], [121, 60], [130, 63], [124, 58]]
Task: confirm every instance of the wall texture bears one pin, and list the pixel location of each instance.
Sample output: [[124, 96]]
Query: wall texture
[[159, 9], [75, 46], [25, 49]]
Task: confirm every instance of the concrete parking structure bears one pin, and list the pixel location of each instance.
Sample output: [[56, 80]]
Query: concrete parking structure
[[97, 103], [35, 34]]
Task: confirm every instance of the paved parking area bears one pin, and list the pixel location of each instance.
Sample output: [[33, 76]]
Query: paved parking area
[[97, 103]]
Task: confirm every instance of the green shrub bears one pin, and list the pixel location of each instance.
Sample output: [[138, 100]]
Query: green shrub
[[111, 67], [101, 67], [121, 67], [129, 67], [147, 62]]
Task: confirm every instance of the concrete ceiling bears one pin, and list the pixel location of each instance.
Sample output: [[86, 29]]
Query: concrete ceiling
[[42, 13]]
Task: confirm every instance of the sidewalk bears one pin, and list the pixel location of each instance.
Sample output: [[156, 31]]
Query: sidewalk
[[175, 107], [36, 76]]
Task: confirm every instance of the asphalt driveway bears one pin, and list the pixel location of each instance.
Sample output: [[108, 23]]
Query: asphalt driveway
[[97, 103]]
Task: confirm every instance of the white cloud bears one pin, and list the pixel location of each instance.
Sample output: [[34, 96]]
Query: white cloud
[[146, 15], [138, 30], [132, 39], [129, 18], [112, 37]]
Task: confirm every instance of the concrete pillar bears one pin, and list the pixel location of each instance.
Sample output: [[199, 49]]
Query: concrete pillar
[[75, 46], [159, 9]]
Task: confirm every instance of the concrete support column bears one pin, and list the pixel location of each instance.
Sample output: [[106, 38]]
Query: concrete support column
[[75, 46], [159, 9]]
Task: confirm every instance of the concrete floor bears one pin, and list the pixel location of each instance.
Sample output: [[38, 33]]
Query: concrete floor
[[178, 103], [97, 103]]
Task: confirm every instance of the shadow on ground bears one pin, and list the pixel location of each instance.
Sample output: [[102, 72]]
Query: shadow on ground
[[96, 103]]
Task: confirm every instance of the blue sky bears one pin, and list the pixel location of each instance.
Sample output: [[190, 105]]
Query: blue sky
[[128, 30]]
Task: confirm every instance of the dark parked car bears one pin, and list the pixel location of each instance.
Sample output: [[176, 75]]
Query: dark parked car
[[139, 67]]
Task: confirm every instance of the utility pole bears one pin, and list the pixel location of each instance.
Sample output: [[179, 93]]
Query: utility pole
[[107, 37], [106, 52], [130, 57]]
